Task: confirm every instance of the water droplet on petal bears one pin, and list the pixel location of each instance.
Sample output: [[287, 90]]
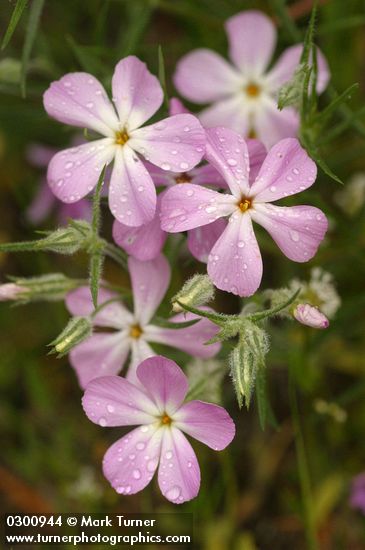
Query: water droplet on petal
[[173, 493], [136, 474], [102, 421]]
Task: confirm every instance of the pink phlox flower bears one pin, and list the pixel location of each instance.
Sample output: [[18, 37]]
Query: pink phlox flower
[[175, 143], [44, 201], [105, 352], [310, 316], [357, 495], [146, 242], [157, 406], [244, 94], [235, 263]]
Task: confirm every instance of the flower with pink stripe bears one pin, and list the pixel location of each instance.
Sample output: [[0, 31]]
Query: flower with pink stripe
[[175, 143], [157, 406], [106, 352], [235, 262], [244, 94]]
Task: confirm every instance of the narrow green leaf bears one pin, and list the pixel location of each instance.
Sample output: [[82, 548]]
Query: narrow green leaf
[[309, 36], [30, 34], [97, 255], [322, 164], [323, 116], [217, 318], [260, 315], [162, 76], [15, 17], [261, 397], [160, 322]]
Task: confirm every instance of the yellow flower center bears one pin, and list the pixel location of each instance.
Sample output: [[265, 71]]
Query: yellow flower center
[[252, 89], [135, 331], [122, 137], [165, 419], [252, 134], [244, 204]]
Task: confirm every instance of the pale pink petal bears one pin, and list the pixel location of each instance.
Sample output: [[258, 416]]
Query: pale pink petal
[[179, 473], [235, 263], [113, 315], [202, 239], [186, 206], [39, 155], [286, 170], [137, 93], [144, 242], [132, 193], [232, 112], [272, 125], [176, 107], [191, 340], [297, 230], [207, 175], [41, 205], [227, 152], [310, 316], [74, 172], [125, 464], [141, 350], [257, 154], [113, 401], [208, 423], [202, 76], [252, 40], [158, 175], [102, 354], [80, 100], [164, 382], [150, 281], [288, 62], [176, 143], [80, 210]]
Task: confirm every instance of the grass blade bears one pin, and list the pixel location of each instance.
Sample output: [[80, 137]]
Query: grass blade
[[35, 13], [16, 15]]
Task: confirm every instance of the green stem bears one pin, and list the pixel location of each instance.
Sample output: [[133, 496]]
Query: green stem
[[305, 483]]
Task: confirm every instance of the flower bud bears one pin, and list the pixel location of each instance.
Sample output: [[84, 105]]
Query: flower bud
[[67, 240], [75, 332], [196, 291], [10, 291], [310, 316]]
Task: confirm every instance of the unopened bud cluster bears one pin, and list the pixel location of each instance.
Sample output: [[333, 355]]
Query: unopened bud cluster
[[196, 291]]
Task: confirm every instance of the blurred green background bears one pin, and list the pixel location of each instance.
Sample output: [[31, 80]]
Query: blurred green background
[[254, 495]]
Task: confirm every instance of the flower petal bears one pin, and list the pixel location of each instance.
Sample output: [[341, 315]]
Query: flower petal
[[297, 230], [114, 315], [144, 242], [80, 100], [132, 194], [207, 175], [164, 382], [125, 464], [176, 107], [286, 170], [208, 423], [232, 112], [150, 281], [192, 339], [186, 206], [235, 263], [100, 355], [113, 401], [141, 350], [202, 76], [179, 473], [252, 40], [41, 205], [74, 172], [202, 239], [257, 154], [272, 125], [137, 92], [289, 61], [227, 152], [176, 143]]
